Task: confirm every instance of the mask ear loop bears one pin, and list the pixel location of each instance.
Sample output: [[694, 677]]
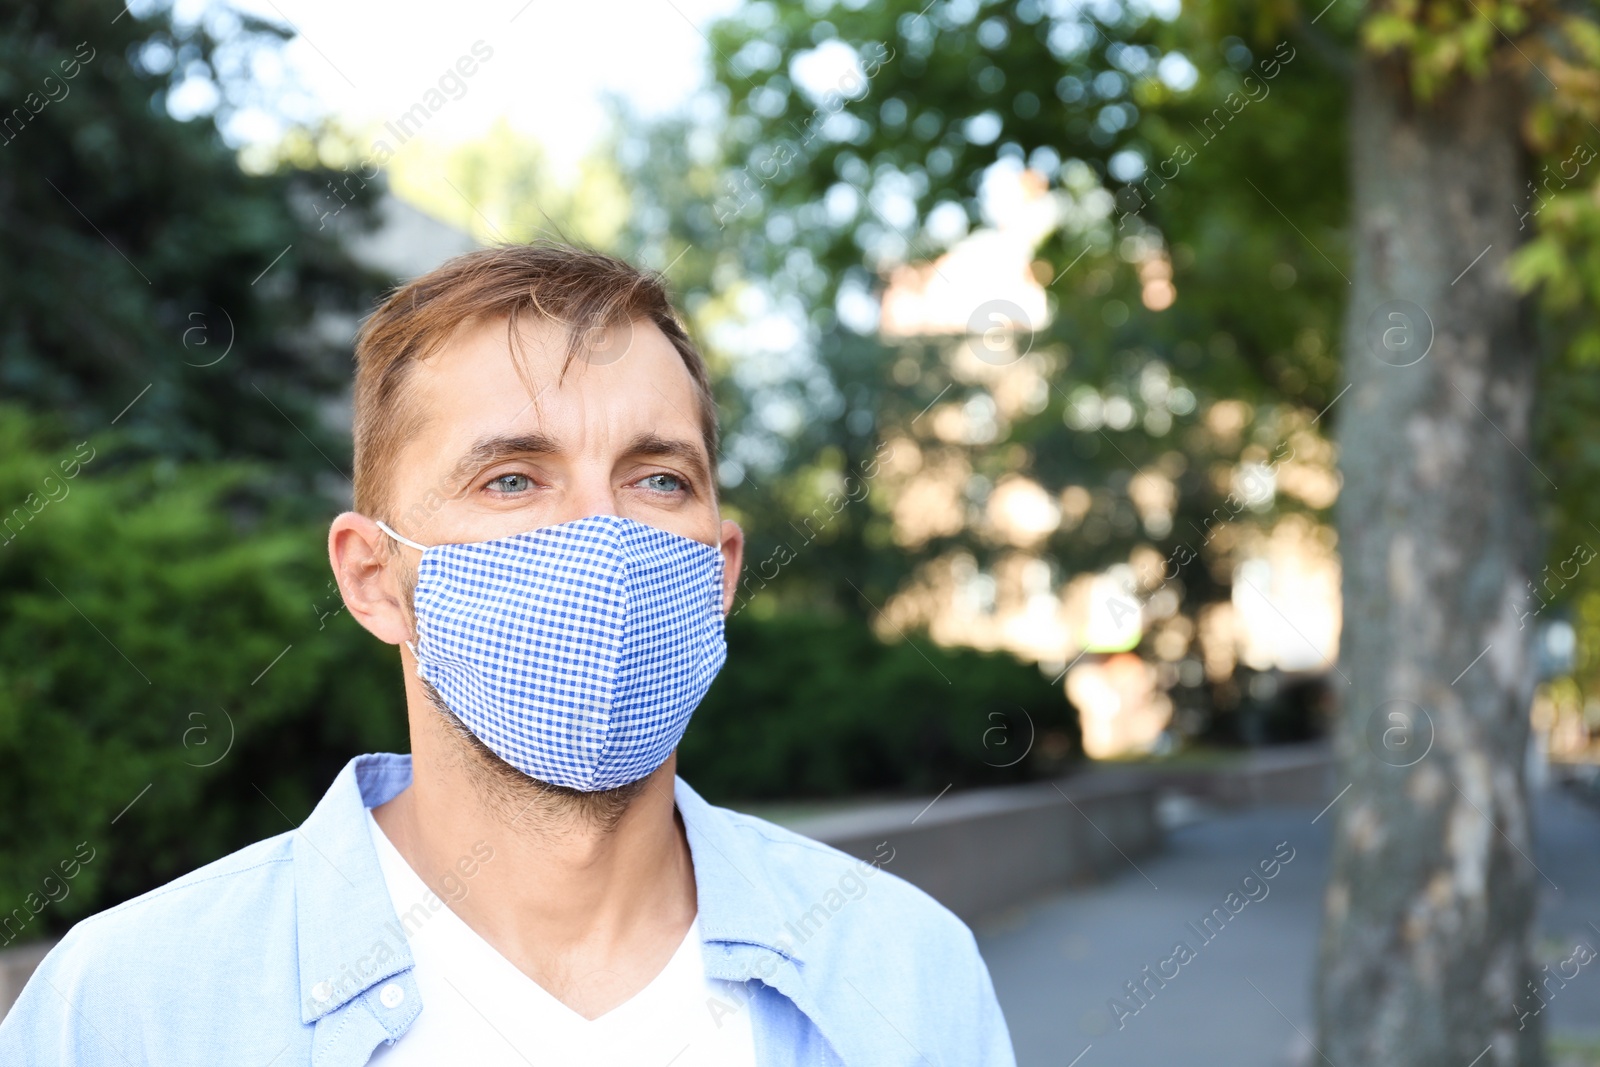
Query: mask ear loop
[[403, 540], [420, 548]]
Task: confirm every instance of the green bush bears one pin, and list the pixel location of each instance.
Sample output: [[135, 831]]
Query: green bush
[[140, 607], [817, 706]]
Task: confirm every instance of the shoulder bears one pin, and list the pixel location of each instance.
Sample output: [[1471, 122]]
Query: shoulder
[[250, 887], [817, 885], [854, 926], [134, 966]]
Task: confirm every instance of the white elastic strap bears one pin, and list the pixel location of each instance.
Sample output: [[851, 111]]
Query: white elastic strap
[[403, 540]]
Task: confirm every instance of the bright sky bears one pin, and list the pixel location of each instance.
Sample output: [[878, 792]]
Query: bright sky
[[551, 62]]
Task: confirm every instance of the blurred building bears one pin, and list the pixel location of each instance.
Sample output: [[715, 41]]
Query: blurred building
[[403, 243], [407, 242]]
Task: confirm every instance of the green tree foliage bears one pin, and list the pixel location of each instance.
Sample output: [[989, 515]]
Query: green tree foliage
[[1558, 52], [139, 262]]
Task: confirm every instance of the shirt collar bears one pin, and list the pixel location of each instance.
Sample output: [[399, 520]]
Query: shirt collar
[[735, 899], [743, 927], [349, 937]]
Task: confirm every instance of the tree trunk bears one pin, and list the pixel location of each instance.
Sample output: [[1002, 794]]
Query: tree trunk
[[1429, 909]]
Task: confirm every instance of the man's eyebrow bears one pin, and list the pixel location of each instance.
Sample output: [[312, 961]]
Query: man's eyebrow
[[685, 452], [493, 449]]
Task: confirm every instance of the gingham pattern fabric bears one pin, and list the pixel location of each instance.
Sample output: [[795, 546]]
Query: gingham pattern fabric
[[576, 652]]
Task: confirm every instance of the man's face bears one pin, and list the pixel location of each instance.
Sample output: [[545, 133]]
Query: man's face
[[618, 435]]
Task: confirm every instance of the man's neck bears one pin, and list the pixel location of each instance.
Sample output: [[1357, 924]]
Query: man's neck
[[591, 912]]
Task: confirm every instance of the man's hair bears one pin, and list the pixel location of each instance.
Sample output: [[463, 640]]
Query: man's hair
[[577, 288]]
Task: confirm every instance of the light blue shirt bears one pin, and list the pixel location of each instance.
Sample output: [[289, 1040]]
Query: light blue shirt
[[289, 952]]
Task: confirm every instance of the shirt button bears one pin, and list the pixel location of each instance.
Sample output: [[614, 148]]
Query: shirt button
[[391, 995], [321, 992]]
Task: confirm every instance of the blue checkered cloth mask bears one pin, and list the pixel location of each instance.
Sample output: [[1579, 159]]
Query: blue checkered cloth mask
[[576, 652]]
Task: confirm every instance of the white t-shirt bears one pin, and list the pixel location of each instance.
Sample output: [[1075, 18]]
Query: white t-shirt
[[478, 1008]]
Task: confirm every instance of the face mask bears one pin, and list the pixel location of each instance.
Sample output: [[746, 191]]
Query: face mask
[[575, 652]]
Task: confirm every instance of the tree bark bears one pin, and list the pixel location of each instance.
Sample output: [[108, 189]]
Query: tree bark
[[1425, 954]]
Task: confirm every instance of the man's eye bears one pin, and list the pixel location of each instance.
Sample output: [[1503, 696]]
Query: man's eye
[[663, 483], [511, 483]]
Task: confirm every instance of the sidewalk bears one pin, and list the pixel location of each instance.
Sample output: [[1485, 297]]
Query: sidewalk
[[1057, 962]]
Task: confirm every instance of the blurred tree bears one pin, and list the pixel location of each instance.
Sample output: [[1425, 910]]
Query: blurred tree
[[862, 140], [145, 279], [1425, 947]]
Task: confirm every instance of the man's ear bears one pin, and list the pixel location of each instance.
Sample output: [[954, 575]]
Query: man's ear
[[368, 573], [732, 559]]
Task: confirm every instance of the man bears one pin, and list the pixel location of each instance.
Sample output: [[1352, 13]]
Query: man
[[537, 530]]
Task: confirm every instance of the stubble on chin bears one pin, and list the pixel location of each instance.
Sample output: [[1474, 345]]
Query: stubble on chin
[[520, 800]]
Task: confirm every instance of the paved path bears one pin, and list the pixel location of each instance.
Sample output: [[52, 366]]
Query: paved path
[[1244, 998]]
